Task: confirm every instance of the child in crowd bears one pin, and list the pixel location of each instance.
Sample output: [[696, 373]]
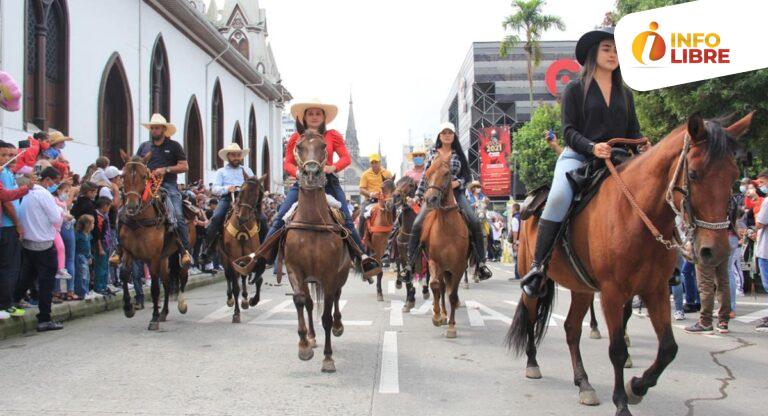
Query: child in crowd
[[101, 247], [83, 237]]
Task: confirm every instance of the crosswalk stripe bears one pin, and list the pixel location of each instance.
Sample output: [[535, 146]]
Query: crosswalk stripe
[[389, 382], [396, 313], [391, 287], [752, 317], [226, 311]]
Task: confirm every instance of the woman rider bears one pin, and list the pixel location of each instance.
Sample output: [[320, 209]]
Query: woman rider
[[596, 107], [445, 144], [315, 115]]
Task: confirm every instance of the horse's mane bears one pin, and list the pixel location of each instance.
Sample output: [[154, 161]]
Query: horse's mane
[[404, 180]]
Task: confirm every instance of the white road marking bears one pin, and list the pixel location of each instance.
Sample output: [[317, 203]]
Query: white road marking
[[226, 312], [287, 306], [396, 313], [751, 303], [391, 287], [423, 309], [478, 319], [389, 381], [752, 317]]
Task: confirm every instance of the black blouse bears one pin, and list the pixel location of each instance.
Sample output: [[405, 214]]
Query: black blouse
[[588, 121]]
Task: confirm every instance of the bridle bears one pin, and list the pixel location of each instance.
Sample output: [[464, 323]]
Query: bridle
[[442, 190], [250, 208], [145, 198], [301, 164]]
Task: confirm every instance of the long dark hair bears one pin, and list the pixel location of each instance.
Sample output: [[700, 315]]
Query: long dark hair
[[464, 173], [301, 127], [587, 75]]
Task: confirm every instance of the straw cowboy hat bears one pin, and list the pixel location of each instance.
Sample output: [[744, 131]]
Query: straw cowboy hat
[[158, 120], [416, 151], [232, 148], [56, 137], [298, 109], [474, 184]]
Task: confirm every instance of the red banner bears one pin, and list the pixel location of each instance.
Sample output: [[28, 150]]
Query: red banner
[[494, 171]]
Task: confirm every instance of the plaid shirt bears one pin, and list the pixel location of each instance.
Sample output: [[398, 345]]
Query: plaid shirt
[[455, 170]]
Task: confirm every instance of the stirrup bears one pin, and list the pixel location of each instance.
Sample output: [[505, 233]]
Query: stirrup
[[533, 281], [371, 268], [484, 273]]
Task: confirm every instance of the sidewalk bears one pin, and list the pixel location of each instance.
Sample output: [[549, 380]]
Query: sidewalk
[[71, 310]]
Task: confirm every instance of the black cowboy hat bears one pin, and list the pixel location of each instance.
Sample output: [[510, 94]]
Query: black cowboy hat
[[591, 38]]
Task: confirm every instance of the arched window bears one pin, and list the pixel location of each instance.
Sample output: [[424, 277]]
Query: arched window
[[237, 135], [217, 126], [115, 112], [240, 42], [252, 140], [265, 161], [193, 141], [46, 81], [160, 81]]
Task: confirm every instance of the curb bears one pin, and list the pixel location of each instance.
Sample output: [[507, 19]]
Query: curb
[[72, 310]]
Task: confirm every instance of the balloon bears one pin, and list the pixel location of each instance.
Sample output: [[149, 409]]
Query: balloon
[[10, 95]]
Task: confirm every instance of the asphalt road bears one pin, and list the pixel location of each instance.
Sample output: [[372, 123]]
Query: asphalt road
[[387, 362]]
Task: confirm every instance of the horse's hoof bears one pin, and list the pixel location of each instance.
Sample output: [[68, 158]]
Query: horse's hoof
[[163, 317], [306, 354], [588, 398], [632, 398], [407, 308], [532, 373], [182, 305], [254, 301], [444, 321], [337, 331], [154, 326], [129, 312], [425, 295], [235, 319], [230, 302], [328, 366], [312, 342], [244, 304], [450, 333], [476, 279], [594, 334], [466, 285], [436, 321], [380, 297], [626, 341], [628, 363], [399, 284]]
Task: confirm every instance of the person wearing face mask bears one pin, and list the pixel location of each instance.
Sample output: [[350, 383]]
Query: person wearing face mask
[[416, 172], [761, 241], [54, 153]]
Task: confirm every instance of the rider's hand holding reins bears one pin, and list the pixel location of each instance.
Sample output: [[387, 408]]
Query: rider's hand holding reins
[[602, 150], [329, 169]]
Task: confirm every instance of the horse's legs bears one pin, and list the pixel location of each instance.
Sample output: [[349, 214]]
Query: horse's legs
[[167, 289], [338, 327], [125, 277], [434, 285], [244, 289], [658, 308], [532, 369], [300, 300], [453, 296], [328, 322], [580, 302], [155, 291], [257, 296], [443, 285], [594, 332], [379, 293], [310, 305], [229, 274], [181, 300], [235, 295], [612, 309], [625, 318]]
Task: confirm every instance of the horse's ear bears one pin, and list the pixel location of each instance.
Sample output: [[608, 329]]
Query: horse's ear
[[394, 178], [245, 174], [300, 127], [124, 156], [696, 128], [263, 180], [146, 158], [740, 127]]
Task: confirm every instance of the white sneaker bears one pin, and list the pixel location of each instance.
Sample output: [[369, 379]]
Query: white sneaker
[[194, 270], [112, 288], [4, 315], [678, 315], [63, 274], [130, 286], [90, 295]]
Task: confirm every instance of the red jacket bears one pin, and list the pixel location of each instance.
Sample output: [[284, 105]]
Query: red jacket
[[334, 144], [8, 196], [29, 155]]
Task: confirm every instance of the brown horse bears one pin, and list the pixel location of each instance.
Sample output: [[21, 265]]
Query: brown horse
[[314, 249], [404, 188], [145, 235], [240, 238], [378, 228], [445, 237], [688, 174]]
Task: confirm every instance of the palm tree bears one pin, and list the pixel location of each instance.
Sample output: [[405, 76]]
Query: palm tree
[[531, 22]]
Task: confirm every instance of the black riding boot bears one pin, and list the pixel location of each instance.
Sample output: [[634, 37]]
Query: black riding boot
[[545, 241], [414, 243], [210, 245], [476, 241]]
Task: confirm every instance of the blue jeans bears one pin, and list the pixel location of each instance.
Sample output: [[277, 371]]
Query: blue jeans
[[137, 273], [219, 215], [677, 290], [734, 267], [762, 264], [332, 188], [689, 282], [100, 273], [174, 196], [82, 276], [561, 193], [68, 237]]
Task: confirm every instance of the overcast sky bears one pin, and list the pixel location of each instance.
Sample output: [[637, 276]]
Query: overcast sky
[[399, 57]]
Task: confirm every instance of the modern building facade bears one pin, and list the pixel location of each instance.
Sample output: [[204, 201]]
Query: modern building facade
[[492, 91], [96, 70]]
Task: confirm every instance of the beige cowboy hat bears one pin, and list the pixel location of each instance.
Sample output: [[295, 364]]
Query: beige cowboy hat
[[158, 120], [232, 148], [416, 151], [474, 184], [56, 137], [298, 109]]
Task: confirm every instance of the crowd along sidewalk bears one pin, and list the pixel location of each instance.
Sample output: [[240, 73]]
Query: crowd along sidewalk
[[71, 310]]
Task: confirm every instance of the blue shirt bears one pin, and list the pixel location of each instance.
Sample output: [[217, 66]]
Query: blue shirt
[[9, 183], [229, 176], [83, 244]]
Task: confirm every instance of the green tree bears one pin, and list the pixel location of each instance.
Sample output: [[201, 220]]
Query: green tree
[[533, 159], [531, 22]]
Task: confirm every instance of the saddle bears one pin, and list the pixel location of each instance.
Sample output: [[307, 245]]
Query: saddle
[[585, 182], [370, 228]]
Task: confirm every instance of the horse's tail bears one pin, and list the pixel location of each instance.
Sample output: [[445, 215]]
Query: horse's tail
[[517, 336]]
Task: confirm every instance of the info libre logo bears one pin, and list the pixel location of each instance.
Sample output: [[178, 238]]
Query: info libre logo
[[685, 48]]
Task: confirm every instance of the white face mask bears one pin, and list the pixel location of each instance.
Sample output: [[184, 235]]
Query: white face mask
[[63, 197]]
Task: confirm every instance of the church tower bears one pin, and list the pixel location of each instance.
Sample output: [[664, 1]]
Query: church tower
[[353, 146]]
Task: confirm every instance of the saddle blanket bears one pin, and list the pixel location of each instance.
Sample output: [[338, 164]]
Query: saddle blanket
[[332, 202], [368, 211]]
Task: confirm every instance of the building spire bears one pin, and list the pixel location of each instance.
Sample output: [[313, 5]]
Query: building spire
[[213, 12], [351, 136]]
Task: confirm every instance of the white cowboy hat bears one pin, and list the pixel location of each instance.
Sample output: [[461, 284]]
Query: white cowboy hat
[[416, 151], [232, 148], [298, 109], [158, 120]]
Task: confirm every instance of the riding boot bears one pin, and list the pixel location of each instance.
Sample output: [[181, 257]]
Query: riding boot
[[414, 244], [208, 248], [476, 240], [545, 242], [182, 233], [117, 254]]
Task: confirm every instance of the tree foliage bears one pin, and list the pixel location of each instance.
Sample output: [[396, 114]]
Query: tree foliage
[[533, 159]]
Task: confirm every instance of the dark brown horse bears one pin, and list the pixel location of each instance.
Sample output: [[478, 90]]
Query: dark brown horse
[[315, 250], [145, 235], [240, 238], [688, 174], [378, 228], [445, 237], [405, 188]]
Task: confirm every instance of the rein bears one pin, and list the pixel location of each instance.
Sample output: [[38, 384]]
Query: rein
[[690, 223], [150, 192]]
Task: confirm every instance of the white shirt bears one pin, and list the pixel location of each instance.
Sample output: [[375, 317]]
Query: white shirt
[[40, 215], [761, 247], [229, 176]]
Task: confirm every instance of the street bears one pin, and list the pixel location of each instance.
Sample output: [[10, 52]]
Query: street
[[387, 362]]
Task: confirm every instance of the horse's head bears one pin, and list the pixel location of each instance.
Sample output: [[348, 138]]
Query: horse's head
[[703, 187], [439, 181], [249, 200], [311, 158], [136, 175], [405, 187], [387, 189]]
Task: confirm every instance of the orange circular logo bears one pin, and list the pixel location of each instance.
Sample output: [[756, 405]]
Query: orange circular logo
[[658, 46]]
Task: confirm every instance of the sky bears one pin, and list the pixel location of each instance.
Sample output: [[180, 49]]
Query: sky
[[399, 58]]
